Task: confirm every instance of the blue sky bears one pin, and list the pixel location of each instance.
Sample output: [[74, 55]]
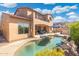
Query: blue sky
[[62, 12]]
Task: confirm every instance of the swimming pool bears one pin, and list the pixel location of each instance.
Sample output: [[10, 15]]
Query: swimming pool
[[33, 48]]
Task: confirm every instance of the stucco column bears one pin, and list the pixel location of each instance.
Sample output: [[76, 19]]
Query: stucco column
[[32, 29], [33, 25], [49, 29]]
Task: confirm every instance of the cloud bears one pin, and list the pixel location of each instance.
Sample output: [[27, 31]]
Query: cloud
[[71, 13], [38, 9], [8, 5], [73, 7], [59, 19], [8, 12], [46, 11], [43, 11], [73, 18], [56, 9], [60, 9]]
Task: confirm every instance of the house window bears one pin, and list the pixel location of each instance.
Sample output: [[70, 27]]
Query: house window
[[23, 28], [22, 13]]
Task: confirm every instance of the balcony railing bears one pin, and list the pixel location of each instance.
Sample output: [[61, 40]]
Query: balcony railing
[[40, 17], [26, 16]]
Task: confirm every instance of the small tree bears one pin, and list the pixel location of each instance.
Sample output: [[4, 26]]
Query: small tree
[[74, 32]]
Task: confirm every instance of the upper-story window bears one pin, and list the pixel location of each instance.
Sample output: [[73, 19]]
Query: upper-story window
[[21, 13], [24, 13]]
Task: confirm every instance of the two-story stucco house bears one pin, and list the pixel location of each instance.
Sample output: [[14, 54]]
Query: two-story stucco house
[[25, 23]]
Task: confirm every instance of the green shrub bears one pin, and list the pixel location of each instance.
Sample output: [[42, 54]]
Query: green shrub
[[52, 52]]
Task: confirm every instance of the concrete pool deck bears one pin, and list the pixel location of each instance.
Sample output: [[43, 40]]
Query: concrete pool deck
[[9, 49]]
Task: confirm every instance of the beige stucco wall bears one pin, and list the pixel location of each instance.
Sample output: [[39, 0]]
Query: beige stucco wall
[[48, 24], [26, 11], [5, 26], [10, 28], [13, 29], [13, 33], [37, 21]]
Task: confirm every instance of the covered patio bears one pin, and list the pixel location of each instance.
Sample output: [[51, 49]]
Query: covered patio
[[42, 29]]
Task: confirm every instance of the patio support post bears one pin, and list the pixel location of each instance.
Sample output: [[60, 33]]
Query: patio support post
[[33, 25]]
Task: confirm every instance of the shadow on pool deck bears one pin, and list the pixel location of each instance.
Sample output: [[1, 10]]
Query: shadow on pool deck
[[2, 39]]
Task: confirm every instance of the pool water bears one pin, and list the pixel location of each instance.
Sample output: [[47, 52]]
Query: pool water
[[33, 48]]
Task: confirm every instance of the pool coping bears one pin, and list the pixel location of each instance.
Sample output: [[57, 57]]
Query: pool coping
[[9, 49]]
